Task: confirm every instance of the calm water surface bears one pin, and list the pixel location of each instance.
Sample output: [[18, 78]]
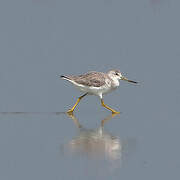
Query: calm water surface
[[40, 39], [54, 145]]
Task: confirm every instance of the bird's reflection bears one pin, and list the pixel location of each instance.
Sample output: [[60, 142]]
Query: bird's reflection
[[95, 142]]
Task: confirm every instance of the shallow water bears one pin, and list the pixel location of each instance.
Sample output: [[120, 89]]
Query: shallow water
[[57, 146], [40, 39]]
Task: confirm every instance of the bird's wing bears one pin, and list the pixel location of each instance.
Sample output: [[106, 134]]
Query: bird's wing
[[95, 79]]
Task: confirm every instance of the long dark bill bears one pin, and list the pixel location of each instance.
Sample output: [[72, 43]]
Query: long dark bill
[[125, 79]]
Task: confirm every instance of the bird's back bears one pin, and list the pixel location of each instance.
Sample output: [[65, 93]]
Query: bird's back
[[93, 78]]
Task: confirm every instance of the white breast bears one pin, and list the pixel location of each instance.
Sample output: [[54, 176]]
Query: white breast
[[98, 91]]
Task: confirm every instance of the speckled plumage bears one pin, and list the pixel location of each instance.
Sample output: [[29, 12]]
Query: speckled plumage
[[95, 79]]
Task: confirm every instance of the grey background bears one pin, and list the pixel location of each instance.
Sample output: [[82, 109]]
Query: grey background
[[42, 38]]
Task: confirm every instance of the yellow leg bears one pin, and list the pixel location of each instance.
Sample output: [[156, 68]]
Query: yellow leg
[[107, 107], [77, 102]]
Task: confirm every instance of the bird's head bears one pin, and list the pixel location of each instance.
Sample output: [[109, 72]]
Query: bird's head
[[117, 75]]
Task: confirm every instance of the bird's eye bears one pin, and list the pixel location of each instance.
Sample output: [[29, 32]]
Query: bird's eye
[[116, 74]]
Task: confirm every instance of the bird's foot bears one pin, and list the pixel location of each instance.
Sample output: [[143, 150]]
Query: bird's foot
[[115, 112], [70, 112]]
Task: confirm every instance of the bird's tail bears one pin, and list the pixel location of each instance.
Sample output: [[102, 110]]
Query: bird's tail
[[65, 77]]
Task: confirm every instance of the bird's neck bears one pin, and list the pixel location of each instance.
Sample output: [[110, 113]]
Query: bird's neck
[[114, 82]]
